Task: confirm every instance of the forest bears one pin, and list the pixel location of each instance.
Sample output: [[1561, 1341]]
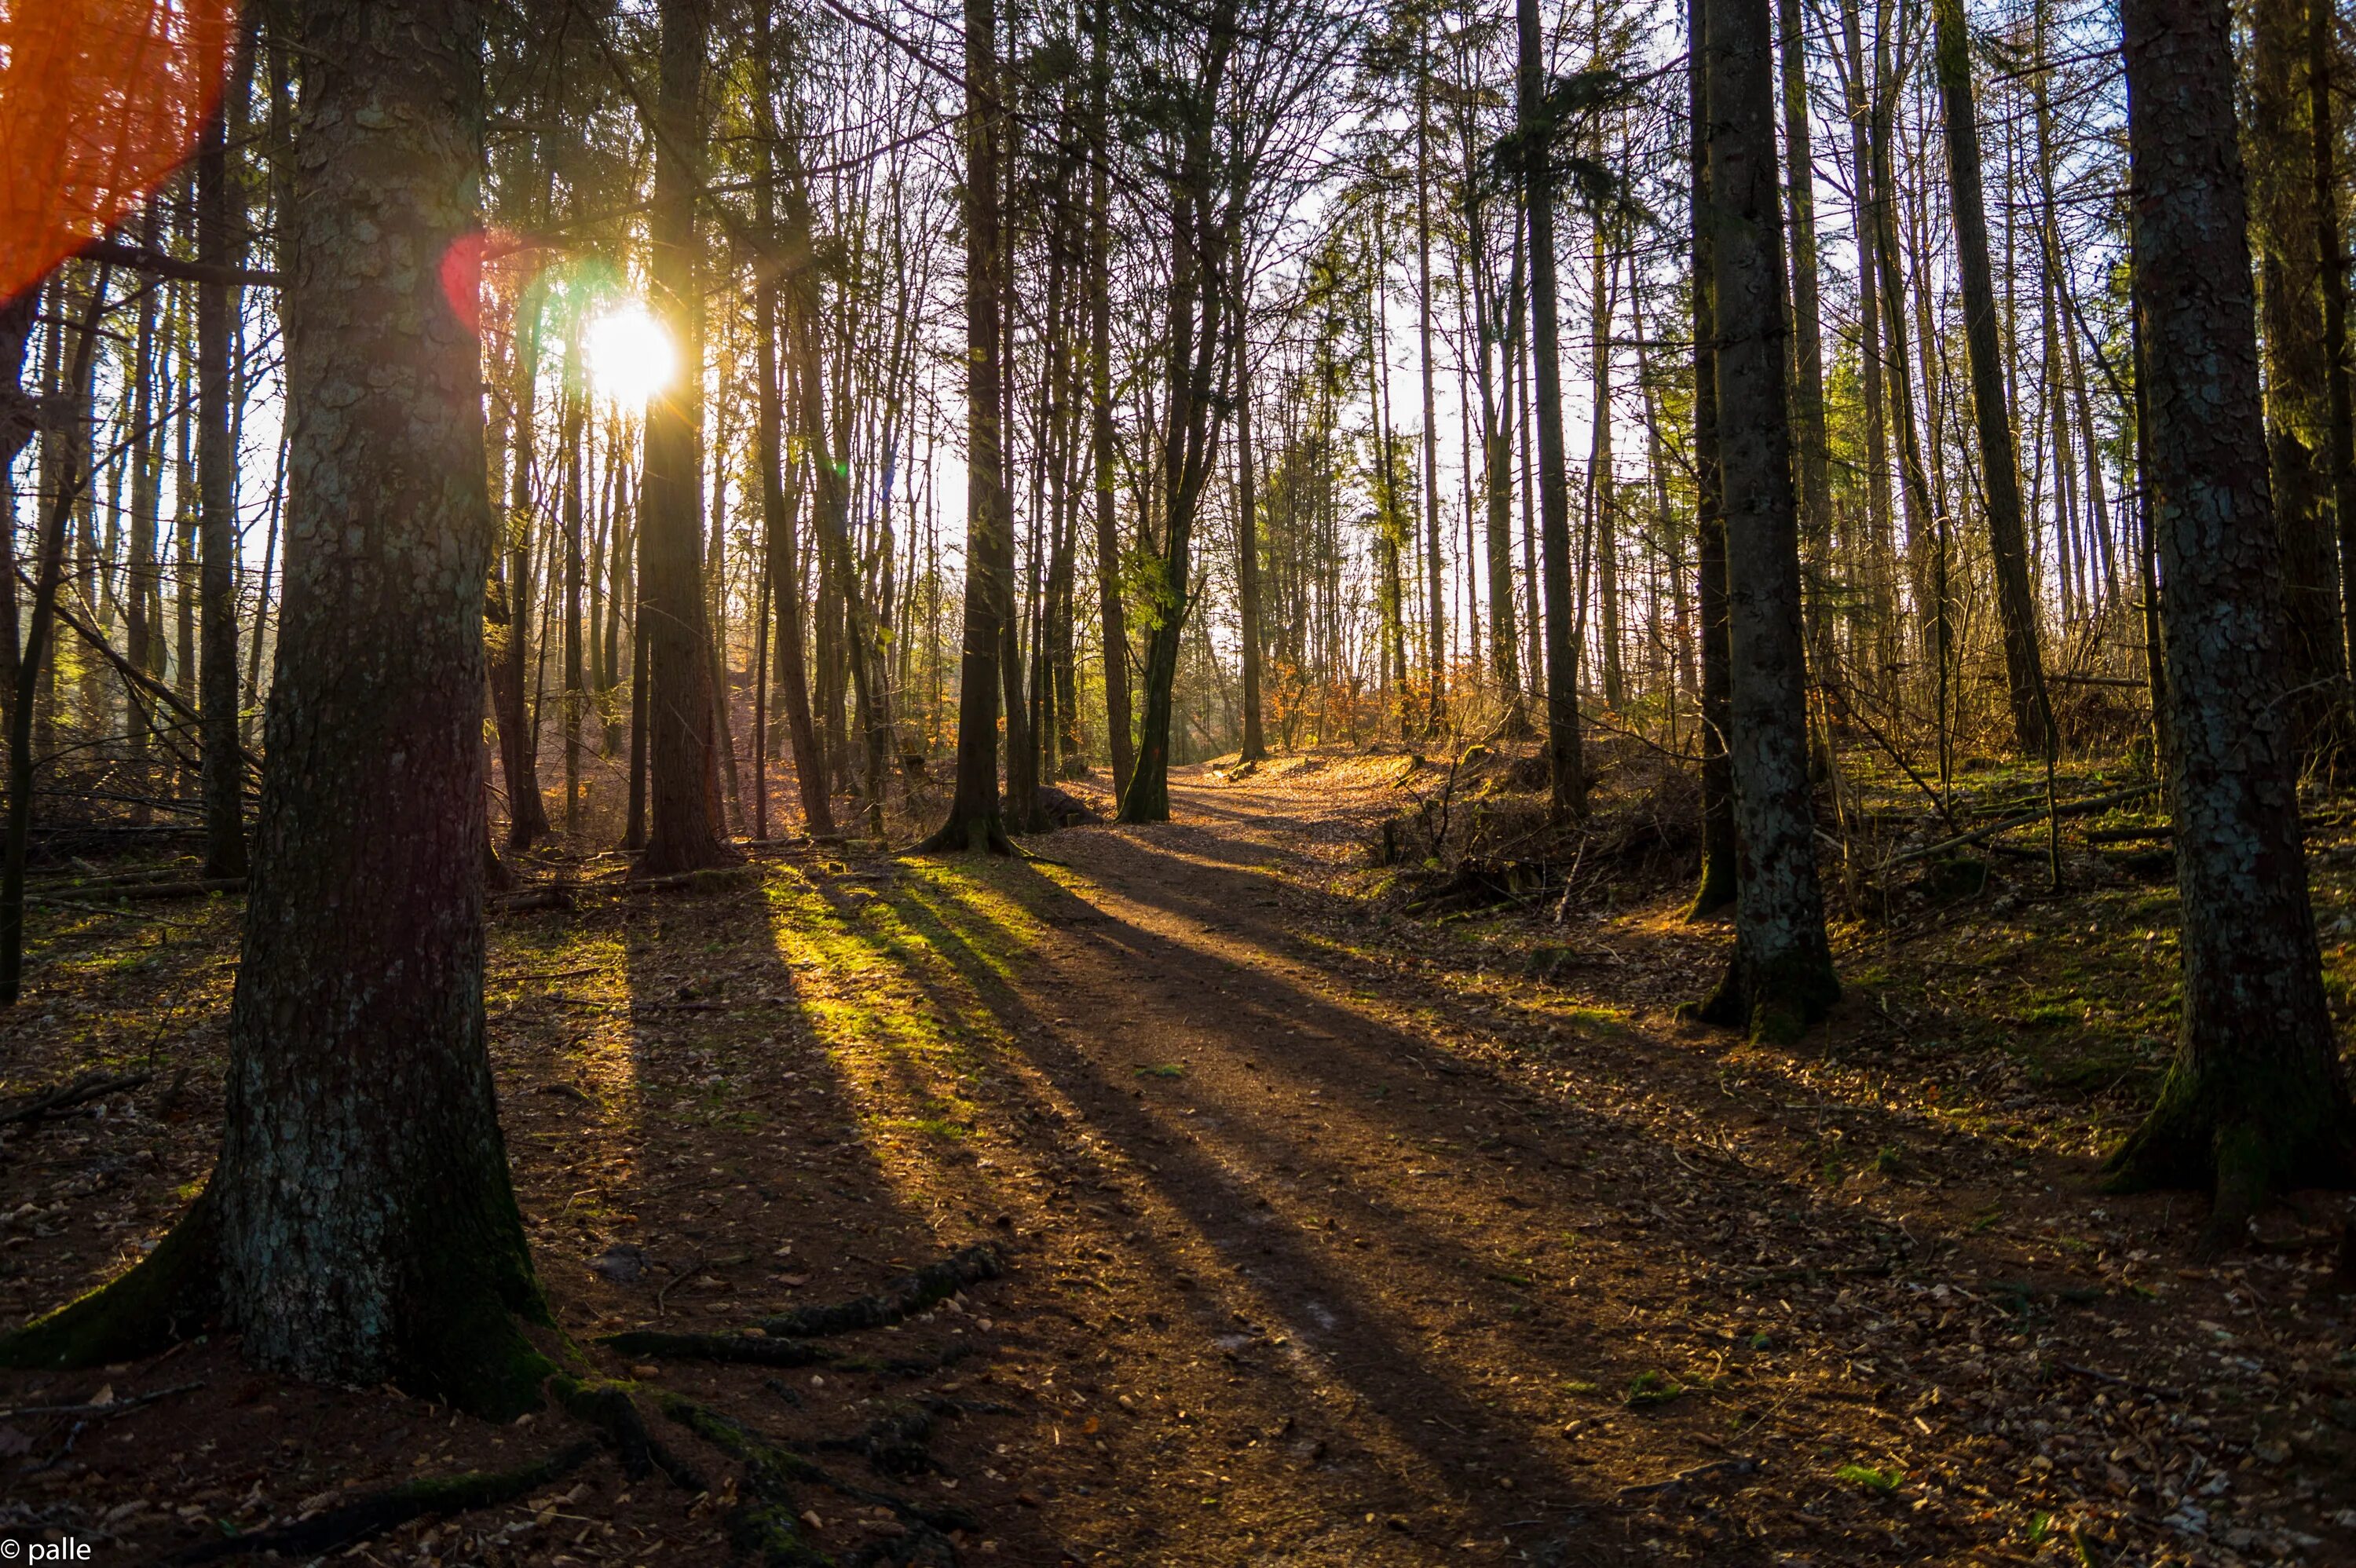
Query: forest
[[1374, 781]]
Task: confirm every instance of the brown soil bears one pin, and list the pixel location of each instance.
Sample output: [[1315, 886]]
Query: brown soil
[[1332, 1235]]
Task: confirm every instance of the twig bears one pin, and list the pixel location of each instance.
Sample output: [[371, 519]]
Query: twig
[[89, 1086], [116, 1407], [2150, 1391], [1684, 1479]]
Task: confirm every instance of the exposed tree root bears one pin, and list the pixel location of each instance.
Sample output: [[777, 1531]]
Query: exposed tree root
[[2247, 1136], [607, 1406], [709, 880], [1774, 1004], [967, 835], [924, 1289], [784, 1341], [767, 1522], [373, 1515], [196, 890], [749, 1350], [753, 1350], [894, 1444], [164, 1297]]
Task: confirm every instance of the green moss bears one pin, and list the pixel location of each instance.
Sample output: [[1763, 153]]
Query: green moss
[[1649, 1389], [1869, 1477], [167, 1295]]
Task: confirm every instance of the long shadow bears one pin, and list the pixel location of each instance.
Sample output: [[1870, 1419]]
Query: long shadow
[[1230, 910], [957, 949], [1347, 1336], [740, 1170], [1807, 1207]]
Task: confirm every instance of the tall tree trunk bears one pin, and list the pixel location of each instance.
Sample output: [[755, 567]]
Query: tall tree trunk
[[71, 435], [512, 655], [1720, 863], [1808, 448], [1255, 744], [223, 760], [1019, 809], [358, 1226], [569, 424], [1566, 769], [1119, 742], [974, 822], [2000, 459], [2340, 427], [684, 830], [832, 513], [781, 549], [2279, 139], [1780, 979], [1435, 631], [141, 588], [1881, 564], [2255, 1100], [1497, 405], [1924, 506], [1201, 240], [1602, 515]]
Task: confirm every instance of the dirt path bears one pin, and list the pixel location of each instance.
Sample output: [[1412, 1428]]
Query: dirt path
[[1332, 1237], [1400, 1258]]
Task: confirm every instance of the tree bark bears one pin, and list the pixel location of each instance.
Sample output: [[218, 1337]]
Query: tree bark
[[781, 549], [1565, 768], [683, 828], [1999, 458], [1255, 744], [511, 653], [1435, 631], [1882, 549], [223, 778], [2255, 1100], [1715, 889], [974, 822], [360, 1226], [2279, 139], [1497, 461], [1119, 741], [2340, 428], [1780, 979], [1201, 242]]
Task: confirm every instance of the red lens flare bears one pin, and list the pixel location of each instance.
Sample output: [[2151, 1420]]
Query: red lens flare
[[100, 100], [492, 254]]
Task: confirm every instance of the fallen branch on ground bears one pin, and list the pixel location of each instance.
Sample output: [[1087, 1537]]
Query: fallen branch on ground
[[89, 1086], [113, 1407], [1712, 1471], [2070, 808], [165, 889]]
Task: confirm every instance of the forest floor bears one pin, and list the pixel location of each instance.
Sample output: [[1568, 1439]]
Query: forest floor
[[1333, 1234]]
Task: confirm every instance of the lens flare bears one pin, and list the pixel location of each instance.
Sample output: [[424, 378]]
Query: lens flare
[[100, 100], [629, 355]]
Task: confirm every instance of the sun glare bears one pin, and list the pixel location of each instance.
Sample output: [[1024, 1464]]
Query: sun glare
[[630, 357]]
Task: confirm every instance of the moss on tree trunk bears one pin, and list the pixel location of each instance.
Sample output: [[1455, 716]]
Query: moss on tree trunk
[[360, 1226], [2256, 1101]]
